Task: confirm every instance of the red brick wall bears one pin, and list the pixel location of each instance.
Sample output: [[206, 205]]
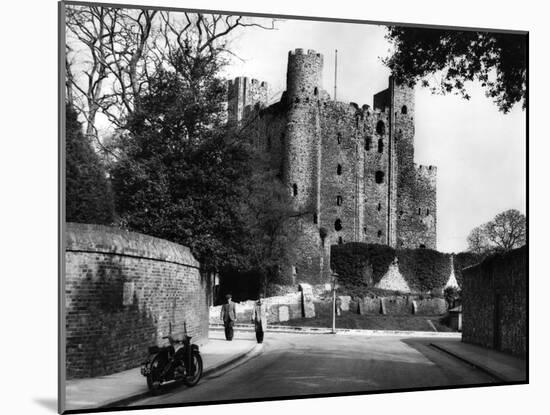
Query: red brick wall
[[123, 292]]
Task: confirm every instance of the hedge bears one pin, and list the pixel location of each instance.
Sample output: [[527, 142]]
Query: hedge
[[463, 260], [424, 269], [361, 265]]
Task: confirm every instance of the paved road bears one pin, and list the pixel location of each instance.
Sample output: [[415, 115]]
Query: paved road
[[298, 364]]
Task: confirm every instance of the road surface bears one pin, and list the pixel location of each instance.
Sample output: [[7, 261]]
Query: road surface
[[309, 364]]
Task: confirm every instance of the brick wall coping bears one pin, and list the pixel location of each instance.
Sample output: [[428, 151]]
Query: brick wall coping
[[80, 237]]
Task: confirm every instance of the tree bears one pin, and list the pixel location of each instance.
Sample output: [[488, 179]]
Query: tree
[[506, 231], [477, 241], [497, 60], [88, 193], [270, 219], [112, 53], [178, 176]]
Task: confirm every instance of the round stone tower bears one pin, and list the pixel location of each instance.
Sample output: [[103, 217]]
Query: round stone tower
[[302, 96]]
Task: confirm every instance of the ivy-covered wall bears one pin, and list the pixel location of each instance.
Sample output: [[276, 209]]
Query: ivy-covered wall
[[494, 302]]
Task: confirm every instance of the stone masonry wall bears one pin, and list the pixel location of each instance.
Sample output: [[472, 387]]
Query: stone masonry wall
[[123, 292], [346, 163], [494, 302]]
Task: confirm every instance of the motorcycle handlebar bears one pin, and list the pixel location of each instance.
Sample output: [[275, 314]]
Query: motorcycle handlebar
[[170, 338]]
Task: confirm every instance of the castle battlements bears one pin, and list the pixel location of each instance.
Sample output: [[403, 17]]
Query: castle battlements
[[300, 51]]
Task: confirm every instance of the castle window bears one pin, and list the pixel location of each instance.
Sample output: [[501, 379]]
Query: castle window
[[295, 189], [380, 146], [339, 170], [368, 143], [269, 142], [427, 212], [339, 200], [379, 177], [338, 225], [380, 128], [404, 109], [315, 218], [419, 211], [340, 241], [339, 138], [422, 246], [316, 91], [379, 234], [379, 207], [365, 230]]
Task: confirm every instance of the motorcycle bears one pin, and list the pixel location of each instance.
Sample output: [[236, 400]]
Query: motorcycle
[[172, 363]]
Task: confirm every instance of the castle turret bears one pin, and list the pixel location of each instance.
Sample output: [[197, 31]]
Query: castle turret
[[304, 74], [243, 94], [304, 77]]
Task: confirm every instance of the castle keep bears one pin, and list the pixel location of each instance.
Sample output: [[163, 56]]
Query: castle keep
[[350, 170]]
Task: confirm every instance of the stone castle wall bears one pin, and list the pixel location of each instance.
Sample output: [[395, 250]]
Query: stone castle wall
[[349, 169], [123, 292]]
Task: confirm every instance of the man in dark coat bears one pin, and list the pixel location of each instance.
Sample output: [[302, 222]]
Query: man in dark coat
[[228, 316]]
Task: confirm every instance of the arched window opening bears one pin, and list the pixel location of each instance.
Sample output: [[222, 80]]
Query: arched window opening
[[380, 146], [340, 240], [379, 177], [339, 170], [404, 109], [379, 234], [380, 128], [315, 218], [419, 211], [368, 143], [338, 200], [316, 91], [339, 138], [295, 189], [365, 230], [427, 212], [379, 207], [338, 225]]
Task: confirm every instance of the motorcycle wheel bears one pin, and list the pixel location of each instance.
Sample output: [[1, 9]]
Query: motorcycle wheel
[[192, 380], [153, 379]]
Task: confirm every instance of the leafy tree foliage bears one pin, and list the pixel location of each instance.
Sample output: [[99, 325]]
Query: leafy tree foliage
[[88, 194], [179, 177], [184, 176], [496, 60], [505, 232]]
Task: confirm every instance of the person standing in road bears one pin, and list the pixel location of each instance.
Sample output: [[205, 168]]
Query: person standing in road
[[228, 316], [259, 317]]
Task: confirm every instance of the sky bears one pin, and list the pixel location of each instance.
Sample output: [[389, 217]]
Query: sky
[[480, 152]]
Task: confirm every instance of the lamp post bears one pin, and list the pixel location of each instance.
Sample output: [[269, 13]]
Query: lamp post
[[334, 287]]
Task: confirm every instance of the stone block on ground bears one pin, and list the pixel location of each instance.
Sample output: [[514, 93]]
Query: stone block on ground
[[369, 305], [345, 301], [432, 306], [307, 301], [283, 313], [397, 305]]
